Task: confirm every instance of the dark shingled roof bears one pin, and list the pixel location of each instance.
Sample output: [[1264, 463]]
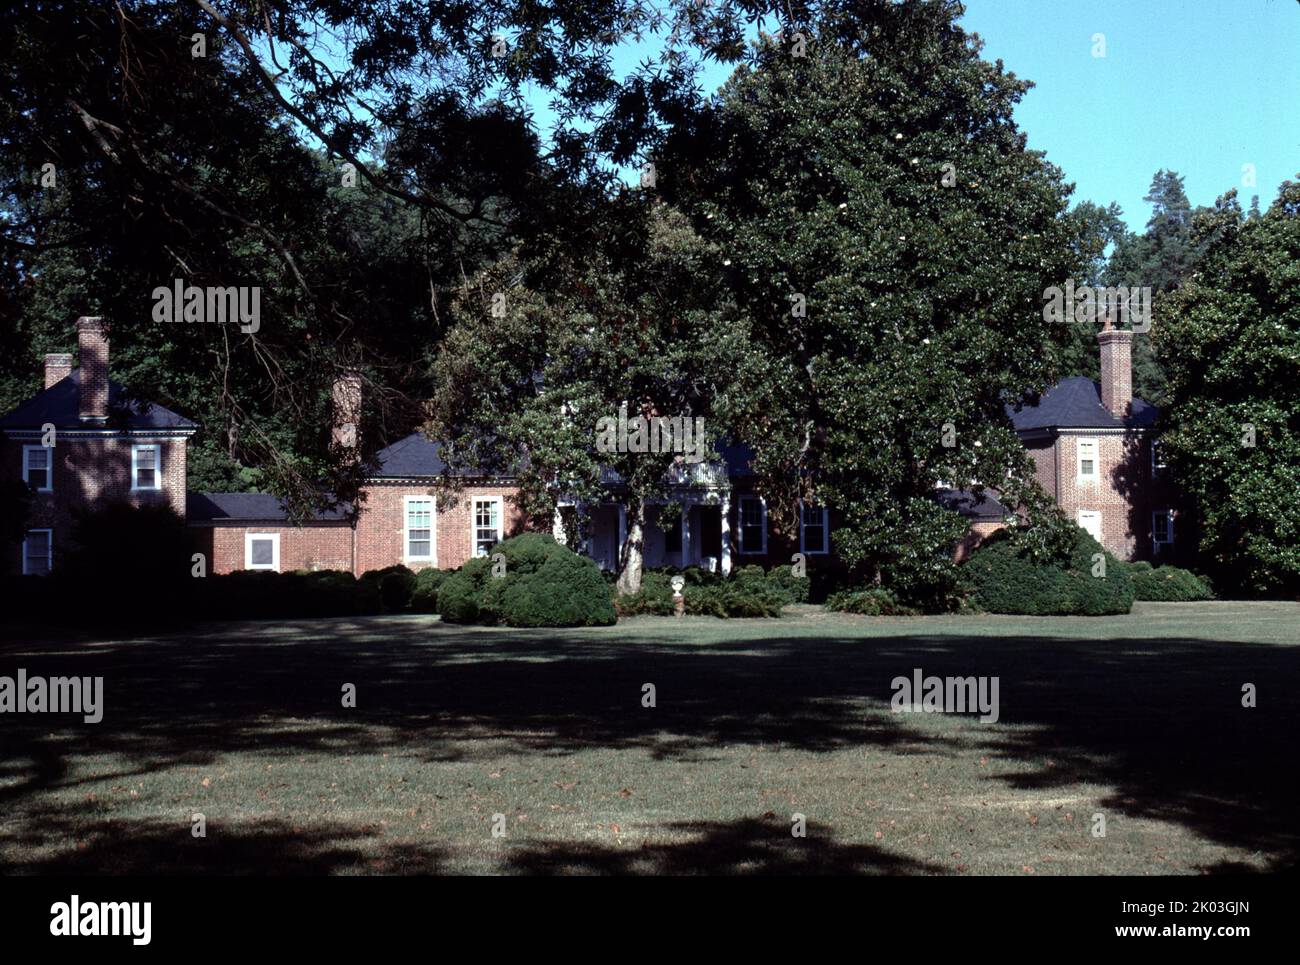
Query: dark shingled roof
[[981, 507], [59, 404], [248, 507], [414, 456], [1075, 403]]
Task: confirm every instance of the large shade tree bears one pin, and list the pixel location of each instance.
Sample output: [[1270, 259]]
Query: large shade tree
[[890, 238], [1230, 341]]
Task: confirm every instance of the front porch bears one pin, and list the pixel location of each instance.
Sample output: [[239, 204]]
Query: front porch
[[699, 536]]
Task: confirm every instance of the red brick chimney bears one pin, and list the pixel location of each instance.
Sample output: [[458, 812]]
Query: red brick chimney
[[347, 410], [58, 366], [1116, 368], [92, 343]]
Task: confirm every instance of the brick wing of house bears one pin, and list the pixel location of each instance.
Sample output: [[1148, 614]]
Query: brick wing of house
[[1096, 455], [82, 442]]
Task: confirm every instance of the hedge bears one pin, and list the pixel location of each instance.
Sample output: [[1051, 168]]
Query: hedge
[[424, 597], [545, 584], [1003, 579], [747, 592], [1168, 584], [873, 602]]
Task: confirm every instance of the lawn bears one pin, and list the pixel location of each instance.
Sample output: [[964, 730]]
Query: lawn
[[1137, 718]]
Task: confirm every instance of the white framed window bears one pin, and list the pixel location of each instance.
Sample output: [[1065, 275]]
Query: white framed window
[[262, 551], [1086, 450], [486, 524], [417, 529], [146, 467], [1158, 464], [1162, 527], [1090, 520], [38, 468], [38, 552], [751, 525], [814, 530]]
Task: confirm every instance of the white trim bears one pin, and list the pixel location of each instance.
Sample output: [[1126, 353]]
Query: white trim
[[1168, 515], [1092, 513], [49, 545], [473, 521], [740, 524], [157, 467], [432, 558], [1079, 456], [275, 551], [826, 531], [49, 467]]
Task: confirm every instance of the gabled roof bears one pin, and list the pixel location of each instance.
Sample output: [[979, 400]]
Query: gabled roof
[[1075, 403], [248, 507], [415, 457], [59, 405]]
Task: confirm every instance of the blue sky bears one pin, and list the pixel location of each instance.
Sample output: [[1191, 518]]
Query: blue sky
[[1198, 86]]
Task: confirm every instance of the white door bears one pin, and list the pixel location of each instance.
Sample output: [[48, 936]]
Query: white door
[[1090, 520]]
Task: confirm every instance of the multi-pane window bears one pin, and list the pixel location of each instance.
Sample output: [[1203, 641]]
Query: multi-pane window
[[262, 551], [751, 526], [146, 467], [487, 525], [38, 552], [1162, 527], [37, 468], [1087, 449], [814, 529], [419, 528]]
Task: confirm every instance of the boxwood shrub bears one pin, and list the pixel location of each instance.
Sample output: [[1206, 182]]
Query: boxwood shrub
[[872, 602], [1168, 584], [1003, 579], [395, 584], [545, 585], [261, 595], [424, 597], [748, 592]]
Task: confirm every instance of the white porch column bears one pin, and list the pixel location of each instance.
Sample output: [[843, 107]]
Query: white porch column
[[686, 535], [622, 536], [725, 564]]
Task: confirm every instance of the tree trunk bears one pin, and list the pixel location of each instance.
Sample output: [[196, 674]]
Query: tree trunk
[[629, 576]]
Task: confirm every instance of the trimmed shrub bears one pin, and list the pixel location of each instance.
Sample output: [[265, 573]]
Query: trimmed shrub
[[424, 596], [737, 598], [395, 584], [873, 602], [655, 596], [797, 588], [545, 585], [1003, 579], [259, 595], [1168, 584]]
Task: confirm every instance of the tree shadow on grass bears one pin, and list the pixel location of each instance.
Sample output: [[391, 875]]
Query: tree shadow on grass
[[1157, 722], [747, 846]]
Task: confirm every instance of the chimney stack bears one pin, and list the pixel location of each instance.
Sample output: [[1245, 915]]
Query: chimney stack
[[347, 410], [58, 366], [1116, 369], [92, 343]]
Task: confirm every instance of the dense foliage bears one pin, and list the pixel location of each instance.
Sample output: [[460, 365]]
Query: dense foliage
[[1167, 584], [1231, 345], [1003, 579], [544, 584]]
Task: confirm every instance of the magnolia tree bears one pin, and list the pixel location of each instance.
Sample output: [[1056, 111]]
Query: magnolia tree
[[1230, 342], [589, 370], [890, 239]]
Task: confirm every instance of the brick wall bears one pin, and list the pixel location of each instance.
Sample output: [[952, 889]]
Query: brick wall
[[1120, 492], [316, 546], [381, 524], [91, 471]]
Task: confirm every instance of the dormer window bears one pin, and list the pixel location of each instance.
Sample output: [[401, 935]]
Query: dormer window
[[146, 468], [38, 471]]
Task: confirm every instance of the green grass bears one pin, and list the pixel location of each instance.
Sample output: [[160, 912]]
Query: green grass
[[1138, 718]]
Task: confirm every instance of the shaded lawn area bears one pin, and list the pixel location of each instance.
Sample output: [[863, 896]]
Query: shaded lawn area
[[1138, 718]]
